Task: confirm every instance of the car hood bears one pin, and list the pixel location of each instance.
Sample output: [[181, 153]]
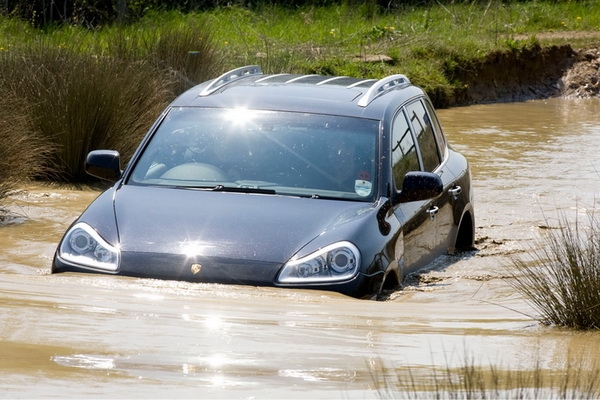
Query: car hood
[[268, 228]]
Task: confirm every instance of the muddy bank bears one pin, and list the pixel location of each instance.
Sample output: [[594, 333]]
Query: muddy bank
[[525, 74]]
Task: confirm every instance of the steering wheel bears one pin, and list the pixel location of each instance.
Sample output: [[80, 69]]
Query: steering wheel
[[196, 172]]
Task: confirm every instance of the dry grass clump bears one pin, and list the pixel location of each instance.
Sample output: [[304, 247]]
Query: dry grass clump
[[23, 153], [562, 282], [99, 90], [81, 103], [470, 381], [182, 49]]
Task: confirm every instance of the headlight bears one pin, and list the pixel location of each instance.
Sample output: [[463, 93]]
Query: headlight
[[336, 262], [83, 247]]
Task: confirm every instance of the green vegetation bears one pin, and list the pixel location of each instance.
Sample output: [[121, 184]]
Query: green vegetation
[[80, 85], [424, 43], [68, 89], [562, 281]]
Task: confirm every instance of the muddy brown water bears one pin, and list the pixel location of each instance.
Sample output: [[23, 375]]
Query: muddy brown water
[[80, 335]]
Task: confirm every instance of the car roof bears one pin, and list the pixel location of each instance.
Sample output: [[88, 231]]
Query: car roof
[[337, 95]]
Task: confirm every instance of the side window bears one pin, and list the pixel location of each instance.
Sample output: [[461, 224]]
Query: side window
[[422, 125], [437, 129], [404, 152]]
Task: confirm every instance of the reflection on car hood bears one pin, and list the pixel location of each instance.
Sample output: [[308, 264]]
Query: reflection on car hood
[[267, 228]]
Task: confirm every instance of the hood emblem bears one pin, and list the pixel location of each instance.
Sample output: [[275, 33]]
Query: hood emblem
[[195, 268]]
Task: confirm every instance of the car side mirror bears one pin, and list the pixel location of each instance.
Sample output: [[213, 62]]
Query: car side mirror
[[418, 185], [104, 164]]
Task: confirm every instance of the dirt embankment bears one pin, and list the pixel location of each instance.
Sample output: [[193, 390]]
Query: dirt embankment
[[538, 72]]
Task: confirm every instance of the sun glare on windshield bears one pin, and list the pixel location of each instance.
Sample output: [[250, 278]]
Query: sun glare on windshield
[[239, 116]]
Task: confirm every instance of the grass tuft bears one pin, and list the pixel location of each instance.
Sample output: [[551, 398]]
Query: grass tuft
[[562, 280]]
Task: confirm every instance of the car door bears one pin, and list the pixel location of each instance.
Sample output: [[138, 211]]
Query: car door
[[414, 242], [432, 149], [448, 218], [415, 148]]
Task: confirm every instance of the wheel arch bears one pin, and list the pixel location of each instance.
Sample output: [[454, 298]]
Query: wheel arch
[[465, 235]]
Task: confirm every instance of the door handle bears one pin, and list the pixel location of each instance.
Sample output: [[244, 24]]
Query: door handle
[[455, 191], [432, 211]]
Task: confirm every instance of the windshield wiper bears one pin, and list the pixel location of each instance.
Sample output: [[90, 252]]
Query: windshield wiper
[[231, 189], [324, 197], [328, 197], [235, 189]]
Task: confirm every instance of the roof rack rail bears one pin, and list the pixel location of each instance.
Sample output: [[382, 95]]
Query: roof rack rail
[[361, 83], [299, 77], [329, 80], [229, 77], [267, 77], [382, 86]]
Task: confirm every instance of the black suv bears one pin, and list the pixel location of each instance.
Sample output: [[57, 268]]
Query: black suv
[[301, 181]]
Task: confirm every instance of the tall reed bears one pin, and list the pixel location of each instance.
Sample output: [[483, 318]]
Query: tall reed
[[23, 153], [183, 48], [562, 278]]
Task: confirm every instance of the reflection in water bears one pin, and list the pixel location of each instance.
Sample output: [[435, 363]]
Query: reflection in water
[[90, 335], [84, 361]]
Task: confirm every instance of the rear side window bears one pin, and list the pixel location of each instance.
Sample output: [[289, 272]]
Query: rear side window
[[437, 129], [404, 151], [423, 128]]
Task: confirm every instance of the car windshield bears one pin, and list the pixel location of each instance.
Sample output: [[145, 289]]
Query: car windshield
[[271, 152]]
